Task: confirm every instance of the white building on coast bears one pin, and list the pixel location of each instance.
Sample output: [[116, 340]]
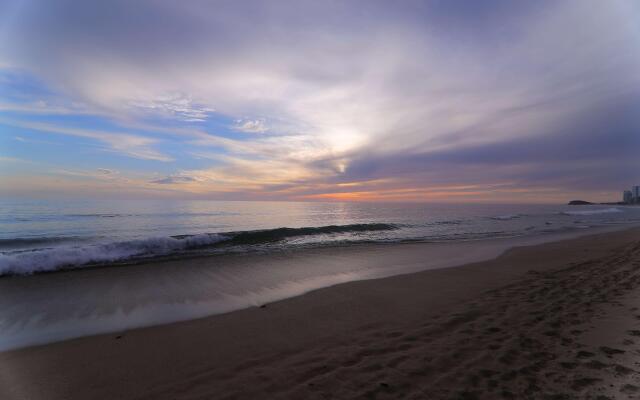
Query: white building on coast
[[631, 196]]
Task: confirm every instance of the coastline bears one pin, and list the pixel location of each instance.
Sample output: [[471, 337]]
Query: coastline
[[390, 323], [50, 307]]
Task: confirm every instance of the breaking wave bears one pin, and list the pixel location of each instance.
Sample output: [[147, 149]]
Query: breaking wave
[[273, 235], [28, 262], [69, 256], [593, 212]]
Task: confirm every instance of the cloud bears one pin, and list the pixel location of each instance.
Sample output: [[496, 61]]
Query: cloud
[[328, 78], [422, 94], [174, 105], [12, 160], [42, 107], [127, 144], [251, 126], [595, 149], [170, 180]]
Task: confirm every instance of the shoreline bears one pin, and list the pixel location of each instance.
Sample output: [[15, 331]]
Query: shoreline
[[51, 307], [381, 318], [157, 249]]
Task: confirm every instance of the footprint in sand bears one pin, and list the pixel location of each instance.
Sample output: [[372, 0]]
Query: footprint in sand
[[585, 354], [629, 389], [622, 370], [595, 364], [568, 365], [609, 351], [582, 383]]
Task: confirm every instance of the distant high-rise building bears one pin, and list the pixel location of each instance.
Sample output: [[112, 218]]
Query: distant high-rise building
[[636, 194], [627, 196]]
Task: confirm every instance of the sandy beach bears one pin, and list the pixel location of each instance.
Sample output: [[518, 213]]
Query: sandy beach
[[558, 320]]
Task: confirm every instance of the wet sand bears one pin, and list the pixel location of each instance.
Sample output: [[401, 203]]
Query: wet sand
[[556, 320]]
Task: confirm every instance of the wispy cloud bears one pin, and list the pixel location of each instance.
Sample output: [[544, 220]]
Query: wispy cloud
[[127, 144], [174, 179], [251, 126], [174, 105], [106, 171], [13, 160]]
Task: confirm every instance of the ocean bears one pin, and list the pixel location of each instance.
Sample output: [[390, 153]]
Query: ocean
[[176, 261], [40, 236]]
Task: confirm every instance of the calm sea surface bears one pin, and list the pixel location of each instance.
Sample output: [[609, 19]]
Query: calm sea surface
[[48, 235]]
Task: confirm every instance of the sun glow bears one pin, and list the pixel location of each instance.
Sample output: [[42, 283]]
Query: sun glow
[[344, 139]]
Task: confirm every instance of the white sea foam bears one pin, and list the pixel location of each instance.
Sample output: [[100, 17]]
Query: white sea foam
[[593, 212], [50, 259], [66, 256]]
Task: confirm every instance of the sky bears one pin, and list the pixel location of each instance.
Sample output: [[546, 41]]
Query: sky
[[435, 101]]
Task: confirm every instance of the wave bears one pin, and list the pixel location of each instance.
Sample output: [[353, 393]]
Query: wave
[[446, 222], [63, 257], [100, 215], [507, 217], [593, 212], [72, 256], [273, 235], [35, 241]]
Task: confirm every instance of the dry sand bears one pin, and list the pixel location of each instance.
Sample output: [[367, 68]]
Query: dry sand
[[558, 320]]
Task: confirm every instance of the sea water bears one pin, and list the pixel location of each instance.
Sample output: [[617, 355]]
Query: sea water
[[37, 236], [175, 261]]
